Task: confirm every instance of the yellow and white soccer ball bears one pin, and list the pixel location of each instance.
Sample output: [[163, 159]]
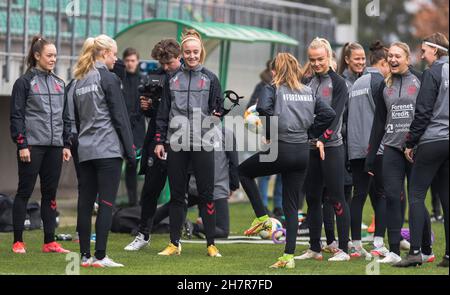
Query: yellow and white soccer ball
[[252, 121], [276, 225]]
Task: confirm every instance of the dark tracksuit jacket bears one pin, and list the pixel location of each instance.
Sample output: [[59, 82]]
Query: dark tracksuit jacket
[[103, 128], [188, 89], [39, 115], [393, 115], [131, 95], [361, 111], [431, 114], [331, 89], [149, 139]]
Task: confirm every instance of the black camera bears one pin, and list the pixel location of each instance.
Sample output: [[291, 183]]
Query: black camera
[[152, 80]]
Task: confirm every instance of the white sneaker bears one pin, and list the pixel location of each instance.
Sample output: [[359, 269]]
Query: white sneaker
[[86, 262], [309, 254], [340, 256], [405, 245], [428, 258], [331, 248], [380, 251], [357, 252], [390, 258], [105, 262], [138, 243]]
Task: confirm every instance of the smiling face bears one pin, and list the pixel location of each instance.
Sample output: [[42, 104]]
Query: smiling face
[[319, 60], [46, 60], [428, 54], [357, 61], [398, 60], [191, 51]]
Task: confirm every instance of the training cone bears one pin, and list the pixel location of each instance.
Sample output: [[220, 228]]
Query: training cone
[[371, 228]]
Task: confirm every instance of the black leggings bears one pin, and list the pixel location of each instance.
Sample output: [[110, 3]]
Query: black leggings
[[329, 173], [395, 169], [98, 177], [46, 161], [435, 199], [431, 160], [364, 184], [329, 215], [292, 163], [155, 179], [203, 166], [131, 184]]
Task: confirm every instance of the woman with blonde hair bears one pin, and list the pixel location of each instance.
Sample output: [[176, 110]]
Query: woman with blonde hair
[[104, 137], [394, 112], [192, 92], [327, 169], [299, 113]]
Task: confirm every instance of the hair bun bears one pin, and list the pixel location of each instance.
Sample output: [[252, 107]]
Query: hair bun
[[377, 45]]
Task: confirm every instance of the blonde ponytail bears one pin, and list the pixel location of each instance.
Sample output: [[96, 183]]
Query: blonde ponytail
[[287, 71], [92, 48], [194, 35]]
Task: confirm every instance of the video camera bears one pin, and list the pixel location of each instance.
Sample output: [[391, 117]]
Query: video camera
[[151, 79]]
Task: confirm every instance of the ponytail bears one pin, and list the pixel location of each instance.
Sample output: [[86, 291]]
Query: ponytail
[[347, 53], [92, 48], [37, 46]]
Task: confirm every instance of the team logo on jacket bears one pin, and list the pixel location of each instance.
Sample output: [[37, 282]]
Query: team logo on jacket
[[35, 86], [202, 82], [412, 90], [176, 82], [58, 86], [326, 92], [390, 91]]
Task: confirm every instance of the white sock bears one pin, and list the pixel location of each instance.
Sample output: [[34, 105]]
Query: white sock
[[378, 242], [357, 243]]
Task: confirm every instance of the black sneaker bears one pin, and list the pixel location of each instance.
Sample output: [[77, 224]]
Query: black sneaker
[[278, 212], [188, 229], [444, 262], [303, 229], [410, 260]]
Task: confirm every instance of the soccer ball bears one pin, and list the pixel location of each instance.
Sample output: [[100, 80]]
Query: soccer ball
[[405, 233], [276, 225], [252, 121]]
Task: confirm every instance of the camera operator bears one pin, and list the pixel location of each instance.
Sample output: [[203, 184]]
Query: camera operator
[[168, 53], [130, 83]]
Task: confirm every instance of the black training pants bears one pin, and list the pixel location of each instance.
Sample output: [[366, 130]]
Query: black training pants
[[292, 163], [431, 160], [46, 161]]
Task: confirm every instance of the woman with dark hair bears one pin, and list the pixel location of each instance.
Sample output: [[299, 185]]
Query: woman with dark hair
[[40, 127], [361, 111]]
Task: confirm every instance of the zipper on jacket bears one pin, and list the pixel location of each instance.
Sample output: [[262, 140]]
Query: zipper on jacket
[[318, 86], [189, 92], [401, 84], [51, 109]]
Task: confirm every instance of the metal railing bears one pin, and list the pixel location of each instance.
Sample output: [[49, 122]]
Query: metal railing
[[300, 21]]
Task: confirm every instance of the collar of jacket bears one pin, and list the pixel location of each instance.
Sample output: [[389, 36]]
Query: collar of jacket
[[350, 75], [407, 73], [100, 64], [196, 69], [372, 70], [326, 75], [442, 60], [40, 72]]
